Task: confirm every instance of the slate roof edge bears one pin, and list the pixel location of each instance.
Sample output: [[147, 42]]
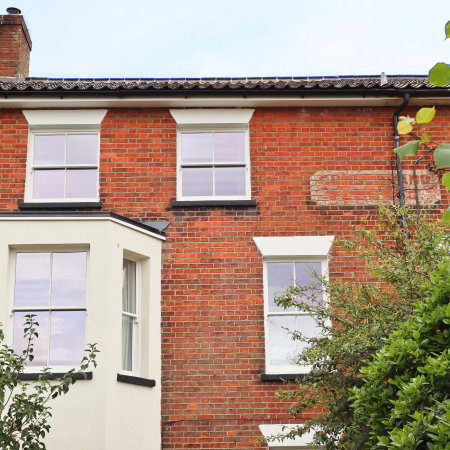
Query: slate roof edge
[[212, 85]]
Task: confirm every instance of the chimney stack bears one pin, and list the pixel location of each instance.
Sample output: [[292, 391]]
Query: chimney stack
[[15, 46]]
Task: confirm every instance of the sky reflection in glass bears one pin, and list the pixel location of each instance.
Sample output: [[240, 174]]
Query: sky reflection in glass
[[81, 183], [196, 147], [229, 147], [48, 184], [69, 279], [280, 276], [67, 338], [49, 149], [281, 346], [229, 181], [82, 148], [32, 286], [197, 181]]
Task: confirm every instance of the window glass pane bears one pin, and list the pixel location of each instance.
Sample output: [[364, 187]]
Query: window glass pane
[[230, 180], [129, 286], [229, 147], [32, 286], [279, 276], [81, 183], [196, 147], [281, 346], [39, 344], [127, 343], [67, 338], [82, 148], [48, 184], [303, 272], [308, 327], [197, 181], [49, 149], [69, 279]]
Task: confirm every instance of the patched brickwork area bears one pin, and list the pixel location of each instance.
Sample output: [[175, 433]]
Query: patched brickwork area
[[368, 187]]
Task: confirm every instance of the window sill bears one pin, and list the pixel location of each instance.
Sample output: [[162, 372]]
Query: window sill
[[282, 376], [198, 203], [136, 380], [53, 376], [60, 205]]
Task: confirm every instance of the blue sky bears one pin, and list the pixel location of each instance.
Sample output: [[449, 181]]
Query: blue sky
[[234, 38]]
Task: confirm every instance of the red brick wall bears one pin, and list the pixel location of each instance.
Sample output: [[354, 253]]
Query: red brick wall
[[15, 47], [213, 336]]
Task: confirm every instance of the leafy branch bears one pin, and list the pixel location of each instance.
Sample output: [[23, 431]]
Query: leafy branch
[[24, 409]]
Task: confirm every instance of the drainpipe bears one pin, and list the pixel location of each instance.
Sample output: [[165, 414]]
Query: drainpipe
[[401, 187]]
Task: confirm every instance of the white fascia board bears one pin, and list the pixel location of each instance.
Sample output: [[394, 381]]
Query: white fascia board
[[294, 246], [238, 101], [65, 118], [44, 219], [297, 443], [211, 116]]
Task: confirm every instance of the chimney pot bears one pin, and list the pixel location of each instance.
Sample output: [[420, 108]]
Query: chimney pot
[[13, 10]]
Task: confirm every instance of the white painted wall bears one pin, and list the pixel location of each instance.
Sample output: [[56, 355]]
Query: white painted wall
[[100, 414]]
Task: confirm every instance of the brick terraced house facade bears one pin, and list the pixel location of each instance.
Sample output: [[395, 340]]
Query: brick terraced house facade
[[167, 213]]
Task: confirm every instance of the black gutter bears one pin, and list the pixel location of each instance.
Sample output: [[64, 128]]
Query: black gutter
[[401, 187]]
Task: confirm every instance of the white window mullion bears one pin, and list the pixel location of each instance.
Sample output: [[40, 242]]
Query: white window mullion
[[213, 166], [65, 164], [50, 283], [48, 336]]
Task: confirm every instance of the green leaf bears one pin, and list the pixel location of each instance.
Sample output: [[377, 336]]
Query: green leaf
[[416, 334], [404, 127], [439, 74], [425, 137], [446, 180], [447, 30], [408, 149], [442, 156], [425, 115]]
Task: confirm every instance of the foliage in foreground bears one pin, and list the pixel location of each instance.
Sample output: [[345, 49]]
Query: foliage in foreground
[[364, 312], [405, 399], [24, 410]]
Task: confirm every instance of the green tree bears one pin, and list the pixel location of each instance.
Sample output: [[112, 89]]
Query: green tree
[[358, 317], [404, 402], [24, 408], [439, 75]]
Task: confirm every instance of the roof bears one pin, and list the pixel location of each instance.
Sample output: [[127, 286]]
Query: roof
[[65, 215], [370, 83]]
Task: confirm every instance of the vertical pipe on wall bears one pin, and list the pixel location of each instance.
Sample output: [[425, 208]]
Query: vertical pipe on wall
[[401, 187]]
